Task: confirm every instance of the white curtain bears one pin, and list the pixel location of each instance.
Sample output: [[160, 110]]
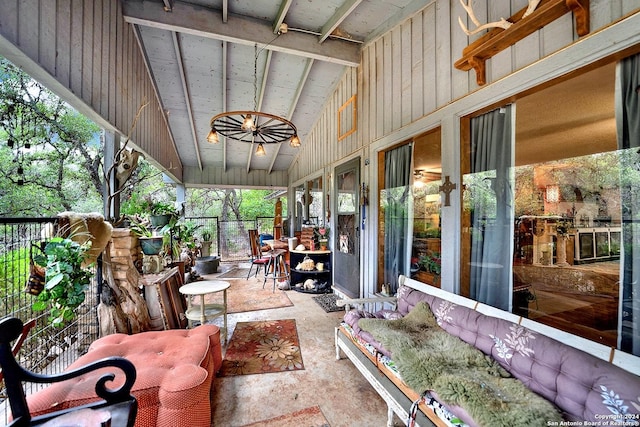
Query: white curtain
[[492, 237], [397, 173], [628, 126]]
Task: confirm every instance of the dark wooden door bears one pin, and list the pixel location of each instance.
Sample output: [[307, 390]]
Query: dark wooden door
[[346, 260]]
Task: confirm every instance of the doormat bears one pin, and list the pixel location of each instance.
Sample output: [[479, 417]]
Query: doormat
[[328, 302], [263, 347], [310, 417]]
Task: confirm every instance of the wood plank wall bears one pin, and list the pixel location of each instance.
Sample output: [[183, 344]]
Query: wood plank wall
[[90, 55], [408, 73]]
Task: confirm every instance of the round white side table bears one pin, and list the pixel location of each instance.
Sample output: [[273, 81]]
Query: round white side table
[[202, 312]]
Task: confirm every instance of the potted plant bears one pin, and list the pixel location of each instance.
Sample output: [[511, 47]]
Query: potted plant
[[160, 213], [323, 237], [65, 279], [430, 268], [179, 235], [150, 242], [205, 244]]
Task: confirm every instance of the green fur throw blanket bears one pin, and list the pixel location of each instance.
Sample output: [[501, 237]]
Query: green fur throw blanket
[[429, 358]]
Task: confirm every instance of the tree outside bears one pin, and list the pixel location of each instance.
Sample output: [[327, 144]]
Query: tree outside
[[50, 155], [51, 161]]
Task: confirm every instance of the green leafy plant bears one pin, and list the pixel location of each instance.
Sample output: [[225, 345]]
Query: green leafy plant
[[177, 234], [206, 235], [66, 280], [186, 233], [159, 208], [140, 227], [431, 263], [323, 233]]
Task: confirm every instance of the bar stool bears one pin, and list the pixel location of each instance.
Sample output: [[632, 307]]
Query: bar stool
[[276, 268]]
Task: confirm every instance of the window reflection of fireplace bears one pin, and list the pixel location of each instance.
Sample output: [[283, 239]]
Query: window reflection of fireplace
[[597, 244]]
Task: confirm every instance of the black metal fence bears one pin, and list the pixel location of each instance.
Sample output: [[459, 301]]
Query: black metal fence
[[231, 238], [47, 349]]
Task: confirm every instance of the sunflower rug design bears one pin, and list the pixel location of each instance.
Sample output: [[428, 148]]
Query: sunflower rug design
[[263, 347]]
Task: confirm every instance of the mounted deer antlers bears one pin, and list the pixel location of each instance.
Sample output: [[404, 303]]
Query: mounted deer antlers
[[502, 23]]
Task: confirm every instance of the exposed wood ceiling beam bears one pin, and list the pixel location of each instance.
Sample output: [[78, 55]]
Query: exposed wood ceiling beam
[[168, 5], [341, 13], [225, 11], [205, 22], [292, 107], [284, 8], [187, 95]]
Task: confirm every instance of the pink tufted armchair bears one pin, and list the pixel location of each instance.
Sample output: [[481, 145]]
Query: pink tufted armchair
[[175, 370]]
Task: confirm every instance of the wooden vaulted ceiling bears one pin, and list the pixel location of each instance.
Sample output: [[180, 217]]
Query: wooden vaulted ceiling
[[201, 55]]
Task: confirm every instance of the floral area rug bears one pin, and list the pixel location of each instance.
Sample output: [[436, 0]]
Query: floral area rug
[[308, 417], [263, 347]]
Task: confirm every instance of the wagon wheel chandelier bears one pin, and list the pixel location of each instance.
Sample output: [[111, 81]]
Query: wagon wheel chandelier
[[254, 127]]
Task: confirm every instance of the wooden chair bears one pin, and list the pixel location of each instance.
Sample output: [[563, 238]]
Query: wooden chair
[[257, 259], [118, 407]]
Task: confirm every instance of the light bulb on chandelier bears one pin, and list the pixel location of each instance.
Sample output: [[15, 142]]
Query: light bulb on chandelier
[[247, 124], [213, 138]]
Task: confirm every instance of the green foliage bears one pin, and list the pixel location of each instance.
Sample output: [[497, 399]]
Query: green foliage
[[431, 263], [178, 234], [245, 204], [160, 208], [145, 205], [206, 235], [132, 205], [66, 280], [140, 226], [322, 233], [55, 147], [148, 185], [14, 268]]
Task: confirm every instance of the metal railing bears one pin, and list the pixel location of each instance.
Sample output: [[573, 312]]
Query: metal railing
[[49, 350], [231, 238]]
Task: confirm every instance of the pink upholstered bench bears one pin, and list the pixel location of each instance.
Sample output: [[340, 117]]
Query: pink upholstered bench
[[175, 369]]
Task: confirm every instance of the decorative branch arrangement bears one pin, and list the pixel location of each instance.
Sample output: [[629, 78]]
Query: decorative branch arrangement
[[507, 32]]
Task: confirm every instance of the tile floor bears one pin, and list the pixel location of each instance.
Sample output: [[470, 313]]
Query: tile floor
[[343, 394]]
